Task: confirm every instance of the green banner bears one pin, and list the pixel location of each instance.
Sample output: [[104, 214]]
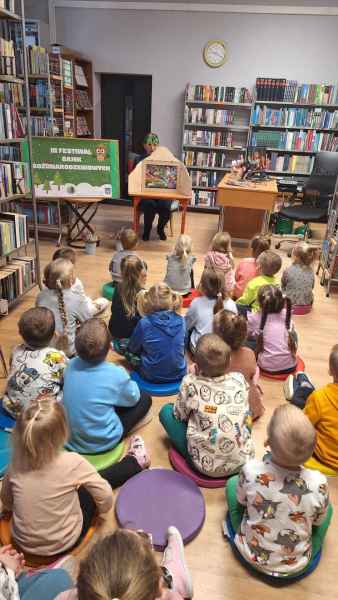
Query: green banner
[[72, 167]]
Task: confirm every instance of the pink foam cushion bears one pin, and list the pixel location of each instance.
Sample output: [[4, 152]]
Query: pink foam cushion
[[180, 464], [301, 309], [300, 366], [187, 300]]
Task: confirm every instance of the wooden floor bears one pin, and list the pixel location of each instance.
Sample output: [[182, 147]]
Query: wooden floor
[[217, 575]]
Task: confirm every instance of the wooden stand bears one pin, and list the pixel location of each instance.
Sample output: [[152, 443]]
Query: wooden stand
[[183, 200]]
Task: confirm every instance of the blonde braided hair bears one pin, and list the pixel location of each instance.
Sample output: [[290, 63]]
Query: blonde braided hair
[[59, 275]]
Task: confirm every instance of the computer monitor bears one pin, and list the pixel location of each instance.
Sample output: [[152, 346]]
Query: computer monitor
[[326, 163]]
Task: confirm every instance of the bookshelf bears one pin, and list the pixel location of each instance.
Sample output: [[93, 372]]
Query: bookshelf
[[80, 88], [216, 127], [19, 258], [292, 122]]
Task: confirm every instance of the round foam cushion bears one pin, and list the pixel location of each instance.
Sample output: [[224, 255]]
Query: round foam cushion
[[301, 309], [158, 498], [105, 459], [5, 451], [300, 366], [108, 290], [6, 421], [156, 389], [187, 300], [180, 464], [314, 464]]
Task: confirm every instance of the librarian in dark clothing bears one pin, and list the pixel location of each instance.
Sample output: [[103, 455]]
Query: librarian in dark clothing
[[152, 207]]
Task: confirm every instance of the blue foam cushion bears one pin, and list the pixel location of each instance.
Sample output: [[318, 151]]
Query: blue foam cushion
[[108, 290], [156, 389], [5, 451], [6, 421]]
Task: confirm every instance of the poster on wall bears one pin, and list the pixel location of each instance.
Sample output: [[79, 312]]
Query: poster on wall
[[72, 167]]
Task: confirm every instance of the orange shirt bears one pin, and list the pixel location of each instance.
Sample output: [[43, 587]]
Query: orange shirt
[[322, 409]]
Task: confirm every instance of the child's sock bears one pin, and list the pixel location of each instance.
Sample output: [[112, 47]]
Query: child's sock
[[138, 449], [174, 562]]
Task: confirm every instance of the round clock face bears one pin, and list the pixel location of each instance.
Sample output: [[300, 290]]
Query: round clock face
[[214, 53]]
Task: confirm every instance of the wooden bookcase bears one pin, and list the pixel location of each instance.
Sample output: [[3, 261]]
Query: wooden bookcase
[[217, 137], [82, 89]]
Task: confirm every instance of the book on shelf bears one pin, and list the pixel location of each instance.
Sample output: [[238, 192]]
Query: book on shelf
[[284, 90], [192, 158], [56, 95], [221, 93], [205, 178], [12, 93], [210, 116], [7, 57], [11, 124], [55, 64], [13, 232], [203, 137], [39, 94], [13, 179], [47, 213], [203, 198], [300, 141], [316, 118], [67, 72], [41, 126], [68, 101], [287, 163], [80, 77], [8, 5], [17, 276], [38, 60], [82, 100], [82, 126], [10, 152], [58, 126]]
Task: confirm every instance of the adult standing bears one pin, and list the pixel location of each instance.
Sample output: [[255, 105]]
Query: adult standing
[[152, 207]]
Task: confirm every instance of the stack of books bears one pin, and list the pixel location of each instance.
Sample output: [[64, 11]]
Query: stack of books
[[284, 90], [13, 179], [82, 100], [11, 125], [206, 159], [16, 277], [12, 93], [13, 232], [39, 94], [221, 93], [38, 62], [316, 118]]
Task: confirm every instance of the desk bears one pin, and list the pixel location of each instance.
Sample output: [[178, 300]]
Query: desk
[[245, 209], [183, 200]]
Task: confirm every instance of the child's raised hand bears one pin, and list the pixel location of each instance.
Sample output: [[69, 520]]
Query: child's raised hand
[[193, 369]]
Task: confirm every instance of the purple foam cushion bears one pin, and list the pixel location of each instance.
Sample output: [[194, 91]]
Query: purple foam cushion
[[180, 464], [300, 366], [158, 498]]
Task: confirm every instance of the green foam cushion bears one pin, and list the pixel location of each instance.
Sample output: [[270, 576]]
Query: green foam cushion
[[106, 459], [108, 290]]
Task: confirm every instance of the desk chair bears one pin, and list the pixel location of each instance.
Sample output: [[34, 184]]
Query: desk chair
[[318, 192]]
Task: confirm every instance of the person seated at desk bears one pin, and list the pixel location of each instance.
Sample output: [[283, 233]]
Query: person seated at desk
[[157, 206]]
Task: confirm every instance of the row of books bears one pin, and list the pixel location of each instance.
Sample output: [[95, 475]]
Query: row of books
[[211, 116], [55, 65], [302, 141], [67, 71], [317, 118], [293, 163], [206, 159], [205, 178], [219, 93], [68, 102], [8, 5], [16, 277], [12, 93], [291, 91], [82, 100], [11, 125], [41, 126], [7, 57], [39, 94], [56, 94], [10, 152], [13, 179], [203, 137], [82, 126], [80, 77], [203, 198], [13, 232], [47, 212], [38, 60]]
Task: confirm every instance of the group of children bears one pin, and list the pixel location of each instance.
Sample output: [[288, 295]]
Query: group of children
[[65, 394]]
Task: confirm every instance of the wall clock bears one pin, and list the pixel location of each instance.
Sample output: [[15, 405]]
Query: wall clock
[[215, 53]]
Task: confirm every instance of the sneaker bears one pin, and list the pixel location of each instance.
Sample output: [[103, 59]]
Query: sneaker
[[288, 388], [303, 381], [174, 561], [137, 448]]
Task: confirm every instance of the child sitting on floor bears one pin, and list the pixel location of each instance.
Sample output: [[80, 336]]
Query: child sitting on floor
[[199, 317], [141, 578], [96, 306], [247, 267], [321, 407], [180, 276], [268, 264], [102, 403], [272, 332], [281, 514], [124, 314], [233, 331], [158, 338], [298, 279], [126, 242], [69, 308], [36, 366], [210, 423], [220, 258]]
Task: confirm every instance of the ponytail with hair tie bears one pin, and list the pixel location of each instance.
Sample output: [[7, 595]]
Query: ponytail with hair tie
[[292, 336]]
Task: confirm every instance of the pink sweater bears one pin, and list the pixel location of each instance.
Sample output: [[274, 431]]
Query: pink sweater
[[245, 270], [276, 355]]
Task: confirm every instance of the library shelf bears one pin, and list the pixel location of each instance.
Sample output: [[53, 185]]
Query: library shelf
[[36, 76], [199, 168], [12, 140], [36, 109], [56, 77], [295, 104], [14, 197], [7, 14], [282, 173], [18, 298], [203, 187], [288, 151], [227, 148], [219, 104], [16, 249], [11, 79], [286, 127], [220, 126]]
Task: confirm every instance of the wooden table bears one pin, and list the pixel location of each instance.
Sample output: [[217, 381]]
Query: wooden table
[[245, 208], [183, 200], [82, 211]]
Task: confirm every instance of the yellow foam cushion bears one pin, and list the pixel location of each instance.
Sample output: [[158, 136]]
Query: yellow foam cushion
[[313, 463]]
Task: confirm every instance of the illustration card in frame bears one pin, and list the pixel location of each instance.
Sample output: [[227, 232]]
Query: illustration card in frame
[[163, 176]]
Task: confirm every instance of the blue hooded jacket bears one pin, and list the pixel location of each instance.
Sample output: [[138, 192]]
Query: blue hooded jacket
[[159, 340]]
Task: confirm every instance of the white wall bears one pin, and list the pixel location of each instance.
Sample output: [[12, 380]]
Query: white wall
[[168, 46]]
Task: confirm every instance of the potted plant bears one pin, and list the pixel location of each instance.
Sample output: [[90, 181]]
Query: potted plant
[[90, 240]]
